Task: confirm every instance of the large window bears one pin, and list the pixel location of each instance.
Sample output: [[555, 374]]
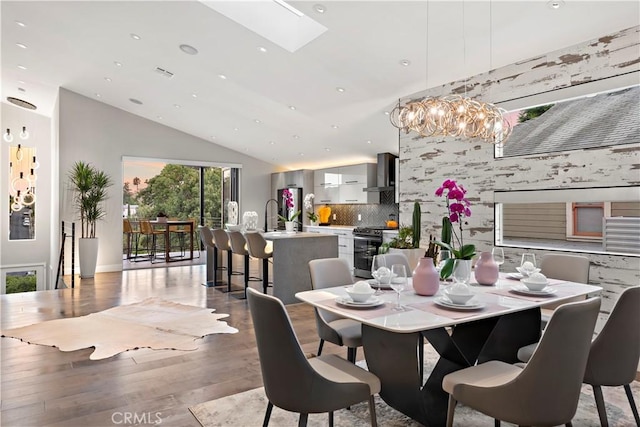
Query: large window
[[598, 220]]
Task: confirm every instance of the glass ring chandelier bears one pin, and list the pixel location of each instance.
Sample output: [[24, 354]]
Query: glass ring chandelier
[[452, 115]]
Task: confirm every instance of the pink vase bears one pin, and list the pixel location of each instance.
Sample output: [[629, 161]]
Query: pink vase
[[426, 280], [486, 270]]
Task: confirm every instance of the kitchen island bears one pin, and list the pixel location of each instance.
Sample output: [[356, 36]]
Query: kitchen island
[[291, 255]]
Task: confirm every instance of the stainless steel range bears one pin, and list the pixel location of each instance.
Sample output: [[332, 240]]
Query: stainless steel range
[[366, 241]]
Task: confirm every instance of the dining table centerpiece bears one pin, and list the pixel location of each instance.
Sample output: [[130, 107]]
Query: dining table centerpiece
[[458, 209], [308, 205], [289, 210]]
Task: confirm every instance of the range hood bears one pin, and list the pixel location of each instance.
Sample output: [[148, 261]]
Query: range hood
[[386, 173]]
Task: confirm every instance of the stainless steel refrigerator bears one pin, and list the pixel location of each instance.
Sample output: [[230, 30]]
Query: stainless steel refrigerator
[[297, 206]]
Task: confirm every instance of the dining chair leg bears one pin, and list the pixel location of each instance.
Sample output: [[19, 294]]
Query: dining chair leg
[[568, 424], [320, 346], [421, 357], [602, 411], [229, 269], [634, 408], [267, 415], [351, 354], [496, 423], [451, 408], [372, 411], [331, 419], [302, 422]]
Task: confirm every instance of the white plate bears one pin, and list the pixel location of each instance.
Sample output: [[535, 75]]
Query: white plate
[[444, 302], [372, 302], [522, 289], [516, 276], [374, 284]]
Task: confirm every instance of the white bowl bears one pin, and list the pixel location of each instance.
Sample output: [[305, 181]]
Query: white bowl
[[360, 296], [234, 227], [535, 286], [458, 298], [524, 272]]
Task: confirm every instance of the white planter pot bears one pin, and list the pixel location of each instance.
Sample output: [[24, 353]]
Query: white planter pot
[[88, 254], [413, 255]]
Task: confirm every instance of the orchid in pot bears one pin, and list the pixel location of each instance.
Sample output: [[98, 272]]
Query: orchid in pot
[[458, 209], [287, 198], [308, 205]]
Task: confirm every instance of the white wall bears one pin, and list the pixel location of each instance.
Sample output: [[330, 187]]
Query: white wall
[[426, 162], [97, 133], [21, 252]]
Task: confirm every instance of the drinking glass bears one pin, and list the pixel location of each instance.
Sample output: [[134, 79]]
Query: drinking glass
[[498, 256], [398, 282], [461, 271], [445, 254], [378, 264], [528, 263]]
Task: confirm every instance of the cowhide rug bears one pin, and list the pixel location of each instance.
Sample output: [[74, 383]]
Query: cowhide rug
[[248, 409], [152, 323]]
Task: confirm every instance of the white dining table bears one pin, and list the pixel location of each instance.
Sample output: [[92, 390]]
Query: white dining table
[[393, 340]]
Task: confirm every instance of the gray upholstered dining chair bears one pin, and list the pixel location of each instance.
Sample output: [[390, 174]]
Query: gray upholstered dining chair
[[259, 248], [543, 393], [295, 383], [614, 354], [326, 273], [398, 258]]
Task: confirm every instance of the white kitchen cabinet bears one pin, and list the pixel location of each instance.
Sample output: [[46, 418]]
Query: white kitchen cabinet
[[346, 184], [345, 240]]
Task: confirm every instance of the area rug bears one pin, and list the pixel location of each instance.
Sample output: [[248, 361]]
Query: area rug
[[248, 409], [153, 323]]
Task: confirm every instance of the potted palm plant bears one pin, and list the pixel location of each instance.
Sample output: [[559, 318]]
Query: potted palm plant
[[90, 192]]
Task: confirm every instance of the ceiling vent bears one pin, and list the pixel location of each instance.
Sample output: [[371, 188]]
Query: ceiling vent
[[163, 72], [21, 103]]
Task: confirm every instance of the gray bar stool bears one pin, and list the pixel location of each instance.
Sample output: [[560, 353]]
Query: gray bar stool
[[221, 240], [239, 246], [212, 257], [258, 248]]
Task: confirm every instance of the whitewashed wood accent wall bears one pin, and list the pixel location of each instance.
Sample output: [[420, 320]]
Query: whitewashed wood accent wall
[[426, 162]]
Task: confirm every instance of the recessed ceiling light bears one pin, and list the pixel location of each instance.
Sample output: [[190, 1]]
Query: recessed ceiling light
[[291, 107], [296, 137], [117, 64], [405, 62], [188, 49], [222, 76], [177, 105], [262, 49], [135, 36], [368, 141], [271, 143], [135, 101], [386, 113], [98, 95], [555, 4], [327, 149], [335, 126], [22, 67], [246, 150], [159, 117], [22, 46], [236, 129], [20, 24], [340, 89], [257, 121], [194, 95], [319, 8], [212, 137], [107, 79], [301, 154]]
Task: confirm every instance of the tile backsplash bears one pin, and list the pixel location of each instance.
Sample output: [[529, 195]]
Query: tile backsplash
[[370, 214]]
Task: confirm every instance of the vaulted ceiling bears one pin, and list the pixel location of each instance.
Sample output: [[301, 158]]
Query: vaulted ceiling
[[279, 106]]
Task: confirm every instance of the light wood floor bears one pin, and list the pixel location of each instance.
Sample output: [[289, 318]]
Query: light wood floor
[[42, 386]]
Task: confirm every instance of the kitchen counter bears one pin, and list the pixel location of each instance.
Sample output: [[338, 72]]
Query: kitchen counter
[[329, 227], [292, 252]]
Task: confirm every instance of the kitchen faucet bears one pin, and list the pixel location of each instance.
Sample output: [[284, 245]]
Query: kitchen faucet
[[265, 212]]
